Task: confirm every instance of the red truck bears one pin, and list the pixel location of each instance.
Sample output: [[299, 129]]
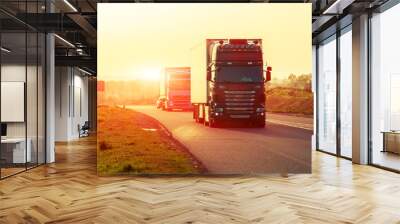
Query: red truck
[[175, 89], [228, 82]]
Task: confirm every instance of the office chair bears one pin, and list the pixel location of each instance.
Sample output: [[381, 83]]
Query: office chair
[[84, 130]]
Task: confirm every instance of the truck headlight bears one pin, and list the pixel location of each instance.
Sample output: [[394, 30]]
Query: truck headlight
[[260, 110], [219, 109]]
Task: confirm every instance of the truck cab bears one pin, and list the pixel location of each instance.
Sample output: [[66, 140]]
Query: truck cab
[[175, 89], [235, 83]]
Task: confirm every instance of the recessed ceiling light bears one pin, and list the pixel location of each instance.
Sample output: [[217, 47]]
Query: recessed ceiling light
[[5, 50], [84, 71], [337, 7], [64, 40], [70, 5]]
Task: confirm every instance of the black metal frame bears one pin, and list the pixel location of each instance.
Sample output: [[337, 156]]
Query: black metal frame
[[369, 90], [338, 98], [44, 71]]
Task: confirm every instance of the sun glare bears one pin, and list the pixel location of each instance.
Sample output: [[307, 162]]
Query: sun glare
[[152, 74]]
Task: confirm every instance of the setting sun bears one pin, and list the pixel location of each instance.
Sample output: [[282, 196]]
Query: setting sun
[[152, 74]]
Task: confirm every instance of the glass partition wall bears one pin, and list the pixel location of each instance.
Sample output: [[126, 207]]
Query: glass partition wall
[[345, 66], [334, 90], [327, 95], [385, 89], [334, 93], [22, 98]]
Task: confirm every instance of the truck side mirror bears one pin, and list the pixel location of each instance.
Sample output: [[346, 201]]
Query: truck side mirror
[[267, 75]]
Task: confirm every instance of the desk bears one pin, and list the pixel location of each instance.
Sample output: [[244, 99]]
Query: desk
[[391, 141], [16, 147]]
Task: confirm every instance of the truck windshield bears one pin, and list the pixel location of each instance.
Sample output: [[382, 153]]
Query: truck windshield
[[239, 74]]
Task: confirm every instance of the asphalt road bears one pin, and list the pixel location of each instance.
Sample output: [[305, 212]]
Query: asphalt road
[[290, 120], [274, 149]]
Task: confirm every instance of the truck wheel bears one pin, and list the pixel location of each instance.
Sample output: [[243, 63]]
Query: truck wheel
[[207, 123], [213, 123], [200, 119], [260, 124], [196, 116]]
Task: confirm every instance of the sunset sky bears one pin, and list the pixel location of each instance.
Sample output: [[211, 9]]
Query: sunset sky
[[136, 41]]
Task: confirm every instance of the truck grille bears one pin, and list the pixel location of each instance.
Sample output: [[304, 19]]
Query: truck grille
[[239, 104]]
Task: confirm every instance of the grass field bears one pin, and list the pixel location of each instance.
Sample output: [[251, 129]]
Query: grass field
[[289, 100], [132, 143]]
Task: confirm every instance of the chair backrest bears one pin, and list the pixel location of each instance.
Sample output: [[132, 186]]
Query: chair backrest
[[86, 124]]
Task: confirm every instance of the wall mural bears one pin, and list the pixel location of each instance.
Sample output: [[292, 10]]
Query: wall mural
[[204, 89]]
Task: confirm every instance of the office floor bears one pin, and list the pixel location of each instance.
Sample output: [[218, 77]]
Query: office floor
[[8, 171], [69, 191]]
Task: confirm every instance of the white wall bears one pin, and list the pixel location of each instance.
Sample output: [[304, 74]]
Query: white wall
[[71, 102], [33, 127], [62, 83], [12, 73]]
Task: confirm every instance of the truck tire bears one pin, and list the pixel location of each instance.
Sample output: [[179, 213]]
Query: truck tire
[[213, 123], [200, 120], [260, 124], [207, 123], [196, 116]]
